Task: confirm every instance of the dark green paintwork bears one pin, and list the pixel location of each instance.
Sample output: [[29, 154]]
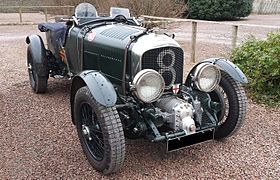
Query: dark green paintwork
[[104, 53], [72, 50]]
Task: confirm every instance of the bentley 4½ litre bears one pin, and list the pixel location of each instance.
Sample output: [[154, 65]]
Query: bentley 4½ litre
[[127, 82]]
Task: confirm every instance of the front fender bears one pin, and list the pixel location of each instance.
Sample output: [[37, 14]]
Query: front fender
[[100, 87], [228, 67], [224, 65]]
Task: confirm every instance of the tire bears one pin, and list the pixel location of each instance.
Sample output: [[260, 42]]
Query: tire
[[100, 132], [231, 95], [37, 83]]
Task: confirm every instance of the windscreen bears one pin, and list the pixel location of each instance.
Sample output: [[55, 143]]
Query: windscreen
[[85, 10], [119, 11]]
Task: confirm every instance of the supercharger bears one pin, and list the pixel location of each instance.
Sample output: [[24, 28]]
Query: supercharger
[[179, 114]]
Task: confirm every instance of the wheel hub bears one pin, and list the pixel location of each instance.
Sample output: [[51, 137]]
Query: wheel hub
[[86, 132], [29, 66]]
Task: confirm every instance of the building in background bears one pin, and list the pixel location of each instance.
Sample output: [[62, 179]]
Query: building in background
[[266, 7]]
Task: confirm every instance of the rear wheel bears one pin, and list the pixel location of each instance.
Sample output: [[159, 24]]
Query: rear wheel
[[37, 83], [231, 95], [100, 132]]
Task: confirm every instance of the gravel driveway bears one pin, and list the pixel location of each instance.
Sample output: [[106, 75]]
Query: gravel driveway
[[38, 140]]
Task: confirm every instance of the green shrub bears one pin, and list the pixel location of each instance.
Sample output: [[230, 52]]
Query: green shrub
[[218, 9], [260, 61]]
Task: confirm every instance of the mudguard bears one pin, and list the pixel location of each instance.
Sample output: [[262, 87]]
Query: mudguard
[[230, 68], [224, 65], [100, 87], [39, 54]]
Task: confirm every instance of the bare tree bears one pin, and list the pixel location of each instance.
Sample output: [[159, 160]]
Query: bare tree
[[166, 8]]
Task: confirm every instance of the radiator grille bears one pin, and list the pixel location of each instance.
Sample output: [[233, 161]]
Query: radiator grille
[[168, 61]]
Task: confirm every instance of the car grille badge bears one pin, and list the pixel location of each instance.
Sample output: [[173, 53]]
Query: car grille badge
[[91, 36], [175, 88]]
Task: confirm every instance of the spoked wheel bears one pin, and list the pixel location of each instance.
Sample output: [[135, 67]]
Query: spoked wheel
[[91, 132], [232, 97], [37, 83], [100, 132]]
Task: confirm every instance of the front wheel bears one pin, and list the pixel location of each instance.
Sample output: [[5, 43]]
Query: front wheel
[[231, 95], [100, 132]]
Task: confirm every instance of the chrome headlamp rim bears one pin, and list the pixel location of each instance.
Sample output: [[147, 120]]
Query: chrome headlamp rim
[[139, 77], [200, 70]]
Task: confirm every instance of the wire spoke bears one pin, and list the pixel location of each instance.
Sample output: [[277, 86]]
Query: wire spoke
[[95, 130], [98, 142], [94, 137]]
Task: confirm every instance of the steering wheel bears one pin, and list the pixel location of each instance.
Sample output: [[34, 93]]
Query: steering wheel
[[120, 18]]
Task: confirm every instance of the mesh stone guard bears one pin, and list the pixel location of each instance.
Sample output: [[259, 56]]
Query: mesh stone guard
[[168, 61]]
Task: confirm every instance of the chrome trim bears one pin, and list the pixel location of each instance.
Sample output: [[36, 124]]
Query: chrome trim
[[140, 76], [198, 71]]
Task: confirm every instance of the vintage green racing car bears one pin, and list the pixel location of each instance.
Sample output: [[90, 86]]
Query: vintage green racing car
[[127, 82]]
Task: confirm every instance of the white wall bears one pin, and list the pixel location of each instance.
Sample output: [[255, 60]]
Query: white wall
[[266, 7]]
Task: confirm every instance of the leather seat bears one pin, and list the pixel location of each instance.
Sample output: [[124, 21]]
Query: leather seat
[[56, 36], [57, 31]]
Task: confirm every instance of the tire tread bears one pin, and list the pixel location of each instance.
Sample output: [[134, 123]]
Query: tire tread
[[113, 136], [239, 106]]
